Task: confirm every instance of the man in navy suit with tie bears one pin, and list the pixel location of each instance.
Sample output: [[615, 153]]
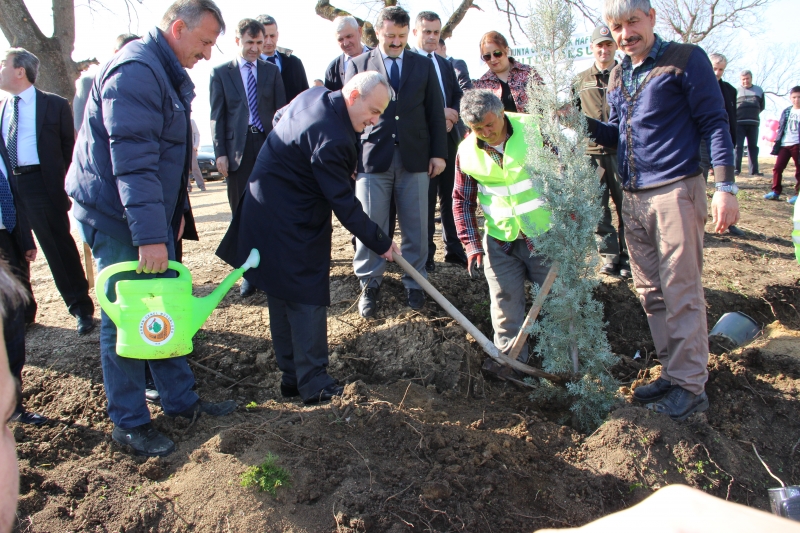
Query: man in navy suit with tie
[[245, 94], [427, 28], [400, 154]]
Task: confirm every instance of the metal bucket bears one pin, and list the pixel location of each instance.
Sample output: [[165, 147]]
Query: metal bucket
[[733, 330], [785, 501]]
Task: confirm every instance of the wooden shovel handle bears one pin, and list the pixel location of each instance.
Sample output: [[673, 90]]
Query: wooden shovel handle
[[487, 345], [544, 290]]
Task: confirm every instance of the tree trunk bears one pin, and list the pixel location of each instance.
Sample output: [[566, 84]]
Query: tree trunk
[[57, 71]]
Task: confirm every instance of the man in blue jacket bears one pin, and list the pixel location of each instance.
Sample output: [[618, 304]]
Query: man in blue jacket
[[129, 179], [302, 174], [664, 99]]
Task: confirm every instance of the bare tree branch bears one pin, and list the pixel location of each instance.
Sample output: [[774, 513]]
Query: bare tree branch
[[692, 21], [457, 16], [778, 69], [325, 10]]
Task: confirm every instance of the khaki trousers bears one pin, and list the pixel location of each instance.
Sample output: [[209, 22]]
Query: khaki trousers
[[664, 232]]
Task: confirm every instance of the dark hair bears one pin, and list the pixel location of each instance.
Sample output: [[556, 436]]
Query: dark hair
[[190, 12], [125, 38], [12, 294], [26, 60], [429, 16], [493, 37], [251, 26], [441, 42], [397, 15], [266, 20], [795, 89]]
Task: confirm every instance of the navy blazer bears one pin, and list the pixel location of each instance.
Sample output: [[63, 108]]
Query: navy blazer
[[293, 74], [230, 113], [336, 72], [454, 93], [415, 119], [302, 174]]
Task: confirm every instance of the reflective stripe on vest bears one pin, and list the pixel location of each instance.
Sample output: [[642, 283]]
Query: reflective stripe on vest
[[506, 194]]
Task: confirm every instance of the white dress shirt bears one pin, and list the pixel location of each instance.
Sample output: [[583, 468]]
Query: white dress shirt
[[244, 71], [438, 72], [347, 58], [5, 173], [26, 128], [277, 60]]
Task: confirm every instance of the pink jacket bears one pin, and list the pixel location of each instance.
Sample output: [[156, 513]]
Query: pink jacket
[[517, 82]]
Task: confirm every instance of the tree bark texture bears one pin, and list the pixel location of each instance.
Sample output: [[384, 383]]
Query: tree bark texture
[[57, 71]]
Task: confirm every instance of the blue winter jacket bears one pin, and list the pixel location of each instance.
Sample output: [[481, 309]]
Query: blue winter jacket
[[658, 128], [133, 148]]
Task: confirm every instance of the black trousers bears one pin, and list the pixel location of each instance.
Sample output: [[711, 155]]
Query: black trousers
[[300, 339], [237, 179], [610, 240], [749, 133], [14, 321], [441, 187], [51, 226]]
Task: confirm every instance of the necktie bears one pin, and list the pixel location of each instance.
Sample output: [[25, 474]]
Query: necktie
[[272, 60], [7, 204], [444, 97], [252, 97], [13, 126], [394, 75]]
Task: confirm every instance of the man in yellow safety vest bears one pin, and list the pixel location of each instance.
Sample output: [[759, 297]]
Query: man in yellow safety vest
[[490, 173]]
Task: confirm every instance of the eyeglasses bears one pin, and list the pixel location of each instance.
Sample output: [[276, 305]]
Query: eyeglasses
[[496, 53]]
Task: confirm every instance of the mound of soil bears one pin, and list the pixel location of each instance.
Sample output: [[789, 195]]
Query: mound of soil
[[420, 441]]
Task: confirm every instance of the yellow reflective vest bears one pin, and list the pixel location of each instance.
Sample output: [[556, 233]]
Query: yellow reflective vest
[[506, 194]]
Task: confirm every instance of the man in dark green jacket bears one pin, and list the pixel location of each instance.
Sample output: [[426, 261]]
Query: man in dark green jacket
[[590, 90]]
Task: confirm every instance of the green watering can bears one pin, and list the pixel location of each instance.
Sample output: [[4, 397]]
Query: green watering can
[[156, 318]]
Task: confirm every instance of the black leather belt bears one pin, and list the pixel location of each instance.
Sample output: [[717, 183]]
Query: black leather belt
[[254, 129], [26, 169]]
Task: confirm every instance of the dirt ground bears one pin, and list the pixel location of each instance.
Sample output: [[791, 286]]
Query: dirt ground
[[420, 441]]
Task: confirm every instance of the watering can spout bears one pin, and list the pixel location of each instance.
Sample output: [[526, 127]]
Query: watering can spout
[[205, 306]]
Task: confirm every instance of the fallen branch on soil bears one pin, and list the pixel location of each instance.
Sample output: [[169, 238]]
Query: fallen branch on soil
[[765, 466], [400, 406], [545, 517], [713, 462], [221, 375], [396, 495], [365, 464]]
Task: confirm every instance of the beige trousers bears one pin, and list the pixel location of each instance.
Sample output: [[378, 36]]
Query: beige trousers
[[664, 231]]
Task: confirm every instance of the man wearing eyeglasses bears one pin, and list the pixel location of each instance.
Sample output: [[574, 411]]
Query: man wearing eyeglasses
[[400, 154]]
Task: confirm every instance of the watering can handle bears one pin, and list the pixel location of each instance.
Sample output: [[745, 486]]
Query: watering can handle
[[126, 266]]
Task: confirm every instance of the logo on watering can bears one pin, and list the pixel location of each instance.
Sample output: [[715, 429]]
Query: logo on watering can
[[156, 328]]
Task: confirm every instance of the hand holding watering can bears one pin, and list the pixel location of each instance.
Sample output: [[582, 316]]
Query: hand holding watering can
[[156, 318]]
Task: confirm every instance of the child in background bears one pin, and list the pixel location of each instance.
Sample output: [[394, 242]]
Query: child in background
[[787, 145]]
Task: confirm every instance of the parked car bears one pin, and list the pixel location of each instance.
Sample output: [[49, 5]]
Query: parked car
[[208, 163]]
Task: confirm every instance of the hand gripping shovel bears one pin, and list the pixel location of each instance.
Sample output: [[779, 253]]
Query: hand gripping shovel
[[487, 345]]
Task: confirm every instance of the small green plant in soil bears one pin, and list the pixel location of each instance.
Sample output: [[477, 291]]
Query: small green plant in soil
[[267, 476]]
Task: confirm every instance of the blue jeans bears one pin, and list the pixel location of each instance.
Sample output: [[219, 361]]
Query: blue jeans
[[123, 377]]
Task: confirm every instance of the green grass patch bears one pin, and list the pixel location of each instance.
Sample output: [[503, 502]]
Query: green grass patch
[[267, 476]]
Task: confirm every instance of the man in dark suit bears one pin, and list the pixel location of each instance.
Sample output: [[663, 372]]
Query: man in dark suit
[[460, 66], [348, 36], [18, 249], [38, 132], [400, 154], [303, 174], [238, 128], [427, 28], [292, 71]]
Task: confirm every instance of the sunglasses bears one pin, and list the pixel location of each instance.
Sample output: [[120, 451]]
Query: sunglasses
[[496, 53]]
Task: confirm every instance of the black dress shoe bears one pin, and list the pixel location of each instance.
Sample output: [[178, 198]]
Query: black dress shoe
[[144, 440], [209, 408], [736, 232], [609, 269], [247, 289], [430, 266], [26, 417], [625, 272], [85, 324], [152, 395], [652, 391], [415, 298], [679, 403], [456, 259], [325, 394], [368, 303], [289, 391]]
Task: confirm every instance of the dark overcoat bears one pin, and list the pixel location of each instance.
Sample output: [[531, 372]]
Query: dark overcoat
[[301, 176]]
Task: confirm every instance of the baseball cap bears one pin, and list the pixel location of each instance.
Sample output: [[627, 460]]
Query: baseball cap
[[600, 34]]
